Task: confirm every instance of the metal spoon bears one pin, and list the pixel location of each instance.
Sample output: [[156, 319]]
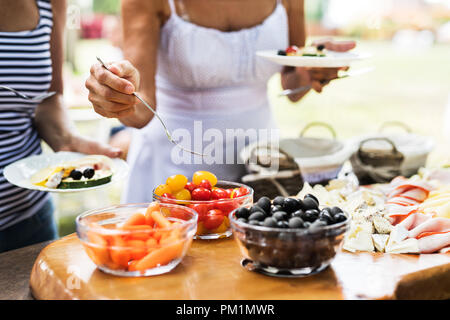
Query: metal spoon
[[26, 97], [169, 136]]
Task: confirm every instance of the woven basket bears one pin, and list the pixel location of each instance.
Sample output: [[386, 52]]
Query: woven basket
[[376, 166], [265, 181]]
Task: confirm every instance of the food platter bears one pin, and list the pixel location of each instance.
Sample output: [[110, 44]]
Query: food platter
[[297, 247], [20, 172], [331, 60]]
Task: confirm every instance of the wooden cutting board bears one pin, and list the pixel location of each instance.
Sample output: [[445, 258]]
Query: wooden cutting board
[[212, 270]]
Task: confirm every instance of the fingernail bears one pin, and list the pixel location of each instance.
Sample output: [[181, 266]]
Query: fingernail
[[129, 88]]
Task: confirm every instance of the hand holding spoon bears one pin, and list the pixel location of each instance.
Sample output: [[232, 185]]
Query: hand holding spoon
[[169, 136]]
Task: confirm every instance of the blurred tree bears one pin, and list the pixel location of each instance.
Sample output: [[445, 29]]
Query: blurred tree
[[106, 6]]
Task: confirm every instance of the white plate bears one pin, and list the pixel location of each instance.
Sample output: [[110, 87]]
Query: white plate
[[331, 60], [20, 172]]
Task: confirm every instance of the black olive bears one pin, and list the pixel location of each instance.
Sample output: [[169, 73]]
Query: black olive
[[88, 173], [278, 201], [256, 208], [75, 174], [311, 215], [264, 203], [307, 224], [282, 224], [309, 195], [280, 215], [242, 220], [326, 216], [254, 222], [295, 222], [318, 224], [310, 203], [275, 208], [320, 47], [340, 217], [299, 214], [270, 222], [290, 205], [242, 213], [281, 52], [258, 216], [335, 210]]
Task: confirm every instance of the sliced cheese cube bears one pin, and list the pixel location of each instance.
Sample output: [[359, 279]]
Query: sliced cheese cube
[[358, 239], [409, 245], [398, 234], [382, 225], [380, 241]]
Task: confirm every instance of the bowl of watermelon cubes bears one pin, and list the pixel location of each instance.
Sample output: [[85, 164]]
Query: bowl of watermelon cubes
[[212, 199], [134, 240]]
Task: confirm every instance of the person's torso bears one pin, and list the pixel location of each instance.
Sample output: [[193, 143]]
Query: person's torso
[[195, 57], [25, 65]]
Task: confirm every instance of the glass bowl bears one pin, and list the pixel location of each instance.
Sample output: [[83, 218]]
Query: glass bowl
[[221, 228], [288, 252], [136, 251]]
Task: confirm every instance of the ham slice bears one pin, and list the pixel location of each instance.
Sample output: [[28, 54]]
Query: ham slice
[[432, 234]]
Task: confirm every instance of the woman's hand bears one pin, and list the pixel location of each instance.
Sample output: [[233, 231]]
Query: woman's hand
[[80, 144], [315, 78], [110, 91]]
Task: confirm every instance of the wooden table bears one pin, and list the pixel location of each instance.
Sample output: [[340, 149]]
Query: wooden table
[[15, 269], [212, 270]]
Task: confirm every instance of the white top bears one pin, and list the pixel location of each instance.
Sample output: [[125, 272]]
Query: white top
[[193, 57], [209, 76]]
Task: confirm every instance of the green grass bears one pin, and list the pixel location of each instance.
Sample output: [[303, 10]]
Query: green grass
[[412, 87]]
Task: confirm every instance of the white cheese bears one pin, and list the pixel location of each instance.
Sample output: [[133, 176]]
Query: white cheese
[[380, 241], [398, 234], [409, 245], [382, 225], [358, 239], [55, 179]]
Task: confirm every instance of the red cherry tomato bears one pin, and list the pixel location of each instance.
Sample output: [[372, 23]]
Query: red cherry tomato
[[190, 186], [219, 193], [226, 206], [168, 195], [201, 194], [292, 49], [167, 198], [205, 184], [242, 191], [201, 209], [229, 192], [214, 219]]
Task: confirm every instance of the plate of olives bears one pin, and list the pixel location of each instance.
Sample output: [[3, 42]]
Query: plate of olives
[[289, 235]]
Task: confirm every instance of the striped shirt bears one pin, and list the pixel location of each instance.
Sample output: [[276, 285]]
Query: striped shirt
[[25, 65]]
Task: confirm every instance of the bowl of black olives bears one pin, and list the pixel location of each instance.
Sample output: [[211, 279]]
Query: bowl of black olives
[[291, 236]]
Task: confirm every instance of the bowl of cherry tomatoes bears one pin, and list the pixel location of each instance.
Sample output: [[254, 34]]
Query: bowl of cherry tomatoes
[[212, 199]]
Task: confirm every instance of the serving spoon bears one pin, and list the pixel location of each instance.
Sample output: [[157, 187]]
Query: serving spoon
[[169, 136], [27, 97]]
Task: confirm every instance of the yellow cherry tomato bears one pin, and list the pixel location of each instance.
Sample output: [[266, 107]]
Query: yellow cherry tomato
[[233, 193], [161, 189], [222, 228], [183, 194], [176, 182], [204, 175]]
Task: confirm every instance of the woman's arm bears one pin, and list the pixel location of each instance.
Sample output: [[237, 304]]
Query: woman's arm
[[296, 17], [316, 78], [110, 92], [51, 116]]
